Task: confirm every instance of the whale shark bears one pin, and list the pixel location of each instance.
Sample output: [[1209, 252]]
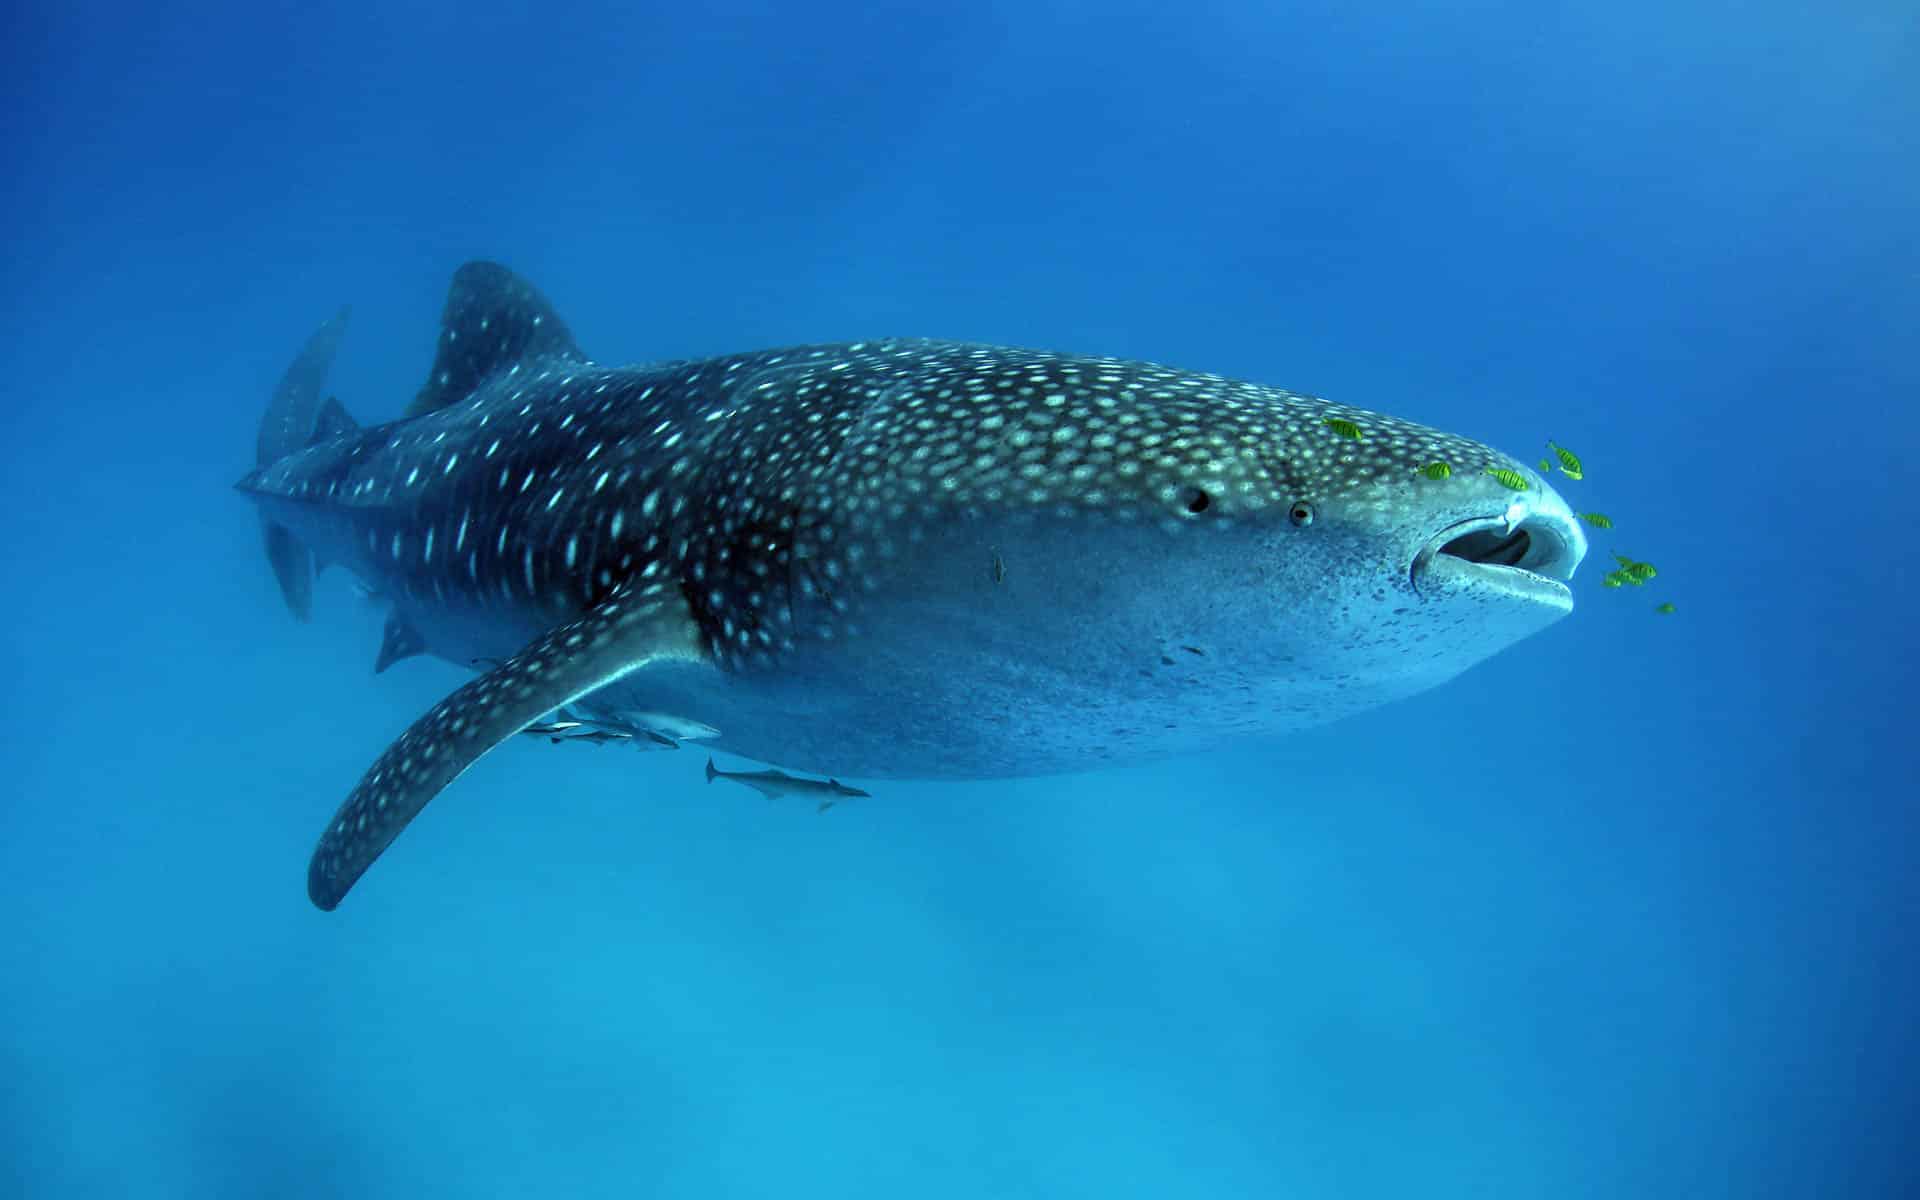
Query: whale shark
[[897, 558]]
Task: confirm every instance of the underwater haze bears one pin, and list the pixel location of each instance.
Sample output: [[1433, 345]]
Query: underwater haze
[[1628, 910]]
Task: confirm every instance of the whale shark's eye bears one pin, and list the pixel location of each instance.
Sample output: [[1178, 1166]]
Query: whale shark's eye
[[1198, 501], [1301, 514]]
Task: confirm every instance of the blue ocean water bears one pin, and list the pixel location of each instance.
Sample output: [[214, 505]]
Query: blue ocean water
[[1626, 911]]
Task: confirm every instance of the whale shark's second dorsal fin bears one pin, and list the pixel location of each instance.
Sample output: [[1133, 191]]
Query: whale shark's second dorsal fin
[[493, 320], [334, 421]]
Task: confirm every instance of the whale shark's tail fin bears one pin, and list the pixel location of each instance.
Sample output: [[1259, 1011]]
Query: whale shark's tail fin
[[294, 420]]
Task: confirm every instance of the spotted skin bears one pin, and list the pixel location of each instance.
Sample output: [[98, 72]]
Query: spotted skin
[[926, 559], [630, 629]]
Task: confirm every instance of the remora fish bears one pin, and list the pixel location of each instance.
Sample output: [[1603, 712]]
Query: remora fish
[[775, 784], [787, 546], [597, 737]]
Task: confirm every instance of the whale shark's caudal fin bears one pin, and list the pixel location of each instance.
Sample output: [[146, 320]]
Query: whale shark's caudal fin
[[294, 419], [494, 320], [637, 625], [292, 567]]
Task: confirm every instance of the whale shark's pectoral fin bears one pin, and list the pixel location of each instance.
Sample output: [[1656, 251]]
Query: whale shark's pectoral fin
[[638, 625], [397, 641]]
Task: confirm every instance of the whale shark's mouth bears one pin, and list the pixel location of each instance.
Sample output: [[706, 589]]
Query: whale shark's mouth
[[1531, 559]]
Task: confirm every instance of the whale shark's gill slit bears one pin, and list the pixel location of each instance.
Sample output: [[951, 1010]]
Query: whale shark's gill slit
[[1491, 547]]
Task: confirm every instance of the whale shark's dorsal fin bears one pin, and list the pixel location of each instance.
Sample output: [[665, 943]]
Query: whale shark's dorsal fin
[[493, 320], [637, 625], [399, 640]]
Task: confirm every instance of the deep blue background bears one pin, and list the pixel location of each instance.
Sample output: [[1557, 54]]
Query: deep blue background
[[1628, 911]]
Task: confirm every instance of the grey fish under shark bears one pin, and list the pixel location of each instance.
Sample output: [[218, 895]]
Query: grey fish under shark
[[775, 784], [886, 559]]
